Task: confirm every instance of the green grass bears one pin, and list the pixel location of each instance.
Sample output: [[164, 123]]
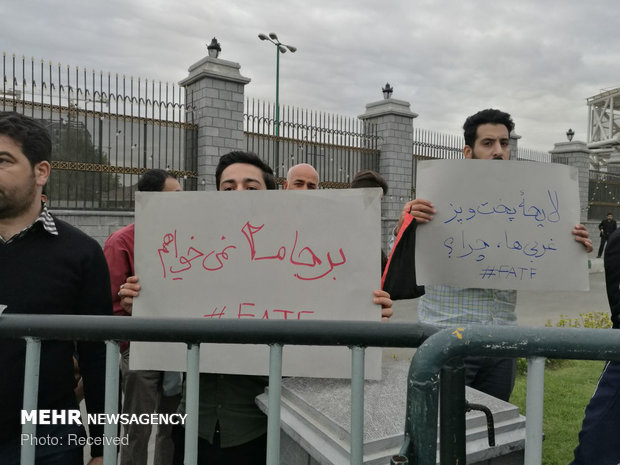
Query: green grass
[[568, 389]]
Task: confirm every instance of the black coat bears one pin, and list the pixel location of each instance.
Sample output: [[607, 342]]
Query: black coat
[[612, 276], [607, 227]]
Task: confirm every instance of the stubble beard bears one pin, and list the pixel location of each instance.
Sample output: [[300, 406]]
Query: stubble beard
[[13, 203], [476, 157]]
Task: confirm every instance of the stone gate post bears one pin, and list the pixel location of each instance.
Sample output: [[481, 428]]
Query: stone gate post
[[215, 90], [577, 154], [394, 120]]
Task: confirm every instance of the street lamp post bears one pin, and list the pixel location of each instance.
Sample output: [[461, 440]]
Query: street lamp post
[[214, 48], [280, 48], [387, 91]]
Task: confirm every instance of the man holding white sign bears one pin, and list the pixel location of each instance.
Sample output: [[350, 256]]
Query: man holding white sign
[[487, 137], [231, 427]]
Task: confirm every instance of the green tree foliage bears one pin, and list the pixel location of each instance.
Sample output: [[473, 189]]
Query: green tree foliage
[[72, 142]]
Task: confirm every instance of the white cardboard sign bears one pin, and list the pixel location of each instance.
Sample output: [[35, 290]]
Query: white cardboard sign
[[272, 255], [500, 224]]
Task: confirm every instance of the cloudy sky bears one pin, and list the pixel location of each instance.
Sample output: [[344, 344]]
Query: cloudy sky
[[538, 60]]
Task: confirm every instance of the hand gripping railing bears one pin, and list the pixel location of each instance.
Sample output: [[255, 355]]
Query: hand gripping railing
[[193, 332], [441, 349]]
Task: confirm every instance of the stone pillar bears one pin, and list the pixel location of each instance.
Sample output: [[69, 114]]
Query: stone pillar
[[514, 145], [215, 89], [576, 154], [394, 121]]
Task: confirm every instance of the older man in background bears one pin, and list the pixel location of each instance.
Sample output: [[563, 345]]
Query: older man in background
[[301, 177]]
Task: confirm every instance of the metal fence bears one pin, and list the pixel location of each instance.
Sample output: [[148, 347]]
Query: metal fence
[[337, 146], [106, 130], [441, 352], [354, 334], [533, 155], [450, 345], [603, 195], [431, 145]]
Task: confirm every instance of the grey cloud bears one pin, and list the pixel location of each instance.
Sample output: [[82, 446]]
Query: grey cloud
[[539, 60]]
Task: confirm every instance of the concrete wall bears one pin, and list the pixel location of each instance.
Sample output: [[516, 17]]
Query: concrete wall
[[98, 225], [576, 154], [217, 89]]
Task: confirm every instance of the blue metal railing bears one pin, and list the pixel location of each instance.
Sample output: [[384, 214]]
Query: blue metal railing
[[437, 360], [356, 335], [452, 344]]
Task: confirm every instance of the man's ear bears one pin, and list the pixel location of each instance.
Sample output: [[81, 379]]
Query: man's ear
[[42, 172], [468, 152], [285, 185]]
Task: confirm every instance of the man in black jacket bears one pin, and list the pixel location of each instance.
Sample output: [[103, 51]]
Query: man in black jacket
[[46, 267], [598, 442], [607, 226]]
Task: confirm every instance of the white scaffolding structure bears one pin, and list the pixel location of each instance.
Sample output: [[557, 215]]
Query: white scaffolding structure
[[604, 127]]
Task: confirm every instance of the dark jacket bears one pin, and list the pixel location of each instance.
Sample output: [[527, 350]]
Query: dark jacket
[[612, 276], [607, 227], [42, 274]]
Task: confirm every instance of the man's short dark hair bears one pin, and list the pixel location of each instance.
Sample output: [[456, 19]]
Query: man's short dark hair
[[154, 180], [32, 137], [369, 178], [488, 116], [249, 158]]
